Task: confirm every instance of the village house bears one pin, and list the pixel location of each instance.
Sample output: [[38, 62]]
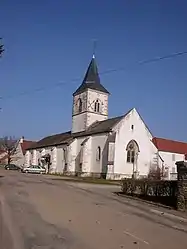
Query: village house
[[100, 146], [18, 153]]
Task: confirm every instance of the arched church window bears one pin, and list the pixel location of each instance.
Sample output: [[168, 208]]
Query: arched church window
[[79, 105], [98, 154], [132, 151], [97, 106]]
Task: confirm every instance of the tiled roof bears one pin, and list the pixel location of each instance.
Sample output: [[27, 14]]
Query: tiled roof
[[172, 146], [91, 80], [52, 140], [26, 144]]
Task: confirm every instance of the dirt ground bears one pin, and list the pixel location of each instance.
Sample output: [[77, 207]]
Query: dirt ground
[[44, 212]]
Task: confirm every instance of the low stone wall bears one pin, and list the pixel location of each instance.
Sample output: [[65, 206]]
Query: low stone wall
[[182, 196], [182, 186], [164, 192], [172, 193]]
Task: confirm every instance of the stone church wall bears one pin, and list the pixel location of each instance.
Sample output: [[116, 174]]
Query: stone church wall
[[133, 128]]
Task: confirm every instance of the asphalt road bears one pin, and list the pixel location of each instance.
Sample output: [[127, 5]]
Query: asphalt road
[[43, 212]]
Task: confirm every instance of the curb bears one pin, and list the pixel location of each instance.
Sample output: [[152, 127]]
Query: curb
[[162, 213], [144, 201]]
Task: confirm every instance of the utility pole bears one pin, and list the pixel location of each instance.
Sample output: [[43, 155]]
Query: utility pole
[[1, 48]]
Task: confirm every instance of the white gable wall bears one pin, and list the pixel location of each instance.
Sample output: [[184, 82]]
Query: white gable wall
[[18, 157], [124, 134]]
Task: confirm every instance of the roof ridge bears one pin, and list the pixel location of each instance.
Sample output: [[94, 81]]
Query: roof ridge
[[178, 141], [57, 134]]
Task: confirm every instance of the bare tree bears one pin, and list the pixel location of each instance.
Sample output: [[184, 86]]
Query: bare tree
[[156, 172], [1, 48], [9, 145]]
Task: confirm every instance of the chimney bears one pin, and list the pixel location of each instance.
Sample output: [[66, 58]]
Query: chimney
[[21, 139]]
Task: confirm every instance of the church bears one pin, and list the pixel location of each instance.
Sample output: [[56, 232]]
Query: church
[[98, 146]]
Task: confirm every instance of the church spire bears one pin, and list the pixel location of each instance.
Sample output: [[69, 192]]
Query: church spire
[[91, 79]]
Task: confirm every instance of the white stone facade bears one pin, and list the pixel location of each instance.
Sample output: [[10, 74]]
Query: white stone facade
[[82, 120], [81, 155], [123, 149]]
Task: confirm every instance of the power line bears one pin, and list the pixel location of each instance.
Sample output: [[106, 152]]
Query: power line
[[139, 63]]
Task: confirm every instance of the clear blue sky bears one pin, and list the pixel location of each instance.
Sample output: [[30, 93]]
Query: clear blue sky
[[49, 42]]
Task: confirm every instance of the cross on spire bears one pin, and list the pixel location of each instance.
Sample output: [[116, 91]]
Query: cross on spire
[[91, 79], [94, 48]]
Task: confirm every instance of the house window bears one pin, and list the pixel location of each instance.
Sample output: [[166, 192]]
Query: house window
[[132, 151], [173, 157], [79, 105], [97, 106], [98, 154]]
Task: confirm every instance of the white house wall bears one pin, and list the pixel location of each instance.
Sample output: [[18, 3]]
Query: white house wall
[[18, 157], [169, 163], [139, 133]]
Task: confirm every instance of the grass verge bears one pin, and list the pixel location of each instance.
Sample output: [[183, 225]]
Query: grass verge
[[87, 180]]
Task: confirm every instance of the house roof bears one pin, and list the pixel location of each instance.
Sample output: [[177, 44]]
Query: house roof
[[172, 146], [91, 80], [52, 140], [26, 144], [64, 138]]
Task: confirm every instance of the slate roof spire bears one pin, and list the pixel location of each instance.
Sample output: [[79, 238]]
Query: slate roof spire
[[91, 79]]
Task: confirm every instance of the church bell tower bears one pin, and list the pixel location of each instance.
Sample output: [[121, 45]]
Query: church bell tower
[[90, 100]]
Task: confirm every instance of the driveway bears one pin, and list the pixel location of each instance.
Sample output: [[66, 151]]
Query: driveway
[[45, 212]]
